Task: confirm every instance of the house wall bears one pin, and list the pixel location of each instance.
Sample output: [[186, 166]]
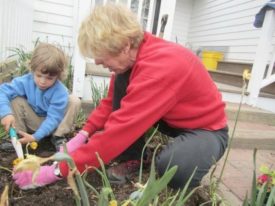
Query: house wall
[[16, 26], [226, 25], [54, 22], [182, 16]]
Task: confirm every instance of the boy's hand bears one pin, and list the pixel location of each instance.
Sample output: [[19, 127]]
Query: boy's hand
[[76, 141], [8, 121], [25, 137]]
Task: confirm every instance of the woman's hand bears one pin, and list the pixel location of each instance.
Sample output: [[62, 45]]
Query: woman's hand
[[45, 176], [76, 141]]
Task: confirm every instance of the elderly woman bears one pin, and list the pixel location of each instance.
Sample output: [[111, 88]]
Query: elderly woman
[[154, 82]]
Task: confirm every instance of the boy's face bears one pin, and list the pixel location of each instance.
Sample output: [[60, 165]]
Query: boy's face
[[43, 81]]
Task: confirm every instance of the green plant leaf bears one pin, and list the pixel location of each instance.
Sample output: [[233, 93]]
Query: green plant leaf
[[271, 198], [254, 185], [154, 187], [245, 202], [142, 153], [261, 195], [60, 156], [183, 197]]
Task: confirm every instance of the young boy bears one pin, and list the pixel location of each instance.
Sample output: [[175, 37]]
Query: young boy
[[38, 104]]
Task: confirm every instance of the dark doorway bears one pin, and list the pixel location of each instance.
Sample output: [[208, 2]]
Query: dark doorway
[[156, 17]]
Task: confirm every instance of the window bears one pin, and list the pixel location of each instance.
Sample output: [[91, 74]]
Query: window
[[145, 13], [134, 5], [98, 2]]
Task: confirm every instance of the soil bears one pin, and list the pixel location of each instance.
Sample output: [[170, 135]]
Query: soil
[[59, 194]]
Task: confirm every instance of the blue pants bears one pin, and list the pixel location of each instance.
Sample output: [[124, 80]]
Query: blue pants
[[191, 149], [188, 149]]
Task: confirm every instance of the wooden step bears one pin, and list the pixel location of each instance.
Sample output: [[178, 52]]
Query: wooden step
[[97, 70], [234, 67], [250, 114], [236, 79]]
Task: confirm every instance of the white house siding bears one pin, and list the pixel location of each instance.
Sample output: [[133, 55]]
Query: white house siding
[[16, 26], [226, 24], [54, 22], [182, 16]]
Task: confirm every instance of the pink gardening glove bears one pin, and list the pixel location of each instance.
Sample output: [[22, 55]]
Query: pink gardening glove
[[46, 176], [76, 142]]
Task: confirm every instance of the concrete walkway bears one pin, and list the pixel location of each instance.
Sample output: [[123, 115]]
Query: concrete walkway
[[255, 129], [238, 173]]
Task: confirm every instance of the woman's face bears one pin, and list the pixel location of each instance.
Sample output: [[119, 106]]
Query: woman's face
[[117, 64]]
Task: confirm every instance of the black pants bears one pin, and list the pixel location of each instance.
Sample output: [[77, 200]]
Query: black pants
[[188, 150]]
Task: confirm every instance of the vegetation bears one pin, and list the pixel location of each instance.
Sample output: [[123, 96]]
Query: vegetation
[[98, 92], [149, 192], [2, 132], [260, 194], [24, 57]]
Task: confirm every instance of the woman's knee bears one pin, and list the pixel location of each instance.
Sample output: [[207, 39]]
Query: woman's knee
[[188, 152], [183, 173]]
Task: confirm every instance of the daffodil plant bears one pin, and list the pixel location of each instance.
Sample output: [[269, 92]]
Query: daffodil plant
[[267, 176], [33, 163], [146, 194], [263, 190]]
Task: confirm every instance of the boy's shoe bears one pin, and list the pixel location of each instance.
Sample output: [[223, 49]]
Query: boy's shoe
[[119, 174], [58, 141]]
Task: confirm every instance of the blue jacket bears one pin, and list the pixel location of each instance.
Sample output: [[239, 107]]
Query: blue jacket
[[50, 103]]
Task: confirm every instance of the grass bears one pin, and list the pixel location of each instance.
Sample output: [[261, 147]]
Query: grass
[[3, 133], [98, 92], [24, 57]]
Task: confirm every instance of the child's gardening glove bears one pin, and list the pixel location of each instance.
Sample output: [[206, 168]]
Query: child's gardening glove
[[46, 175], [76, 141]]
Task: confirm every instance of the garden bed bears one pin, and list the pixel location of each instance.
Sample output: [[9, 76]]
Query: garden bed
[[60, 194]]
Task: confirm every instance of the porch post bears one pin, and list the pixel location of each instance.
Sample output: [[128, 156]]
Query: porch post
[[167, 7], [83, 9], [261, 58]]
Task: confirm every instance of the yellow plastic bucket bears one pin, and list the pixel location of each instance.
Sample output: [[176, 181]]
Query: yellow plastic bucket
[[210, 59]]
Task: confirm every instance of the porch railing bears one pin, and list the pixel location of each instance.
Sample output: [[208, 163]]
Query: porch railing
[[263, 73]]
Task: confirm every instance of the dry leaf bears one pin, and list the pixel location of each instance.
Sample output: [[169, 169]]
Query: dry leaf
[[71, 182], [31, 163], [5, 197]]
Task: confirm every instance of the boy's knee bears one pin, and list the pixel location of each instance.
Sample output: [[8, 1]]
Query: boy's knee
[[18, 103], [18, 100], [74, 101]]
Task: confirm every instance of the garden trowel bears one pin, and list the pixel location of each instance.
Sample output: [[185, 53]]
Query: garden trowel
[[16, 144]]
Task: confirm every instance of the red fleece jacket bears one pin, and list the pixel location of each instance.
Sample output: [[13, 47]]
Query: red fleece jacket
[[167, 82]]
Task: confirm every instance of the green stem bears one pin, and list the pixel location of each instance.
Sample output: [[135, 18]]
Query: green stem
[[6, 169], [82, 189], [233, 132], [142, 153]]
